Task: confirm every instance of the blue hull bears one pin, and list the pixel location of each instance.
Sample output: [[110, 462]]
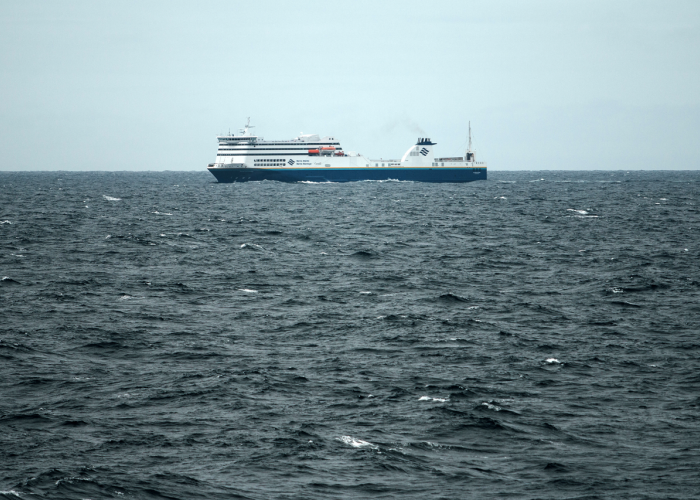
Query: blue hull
[[435, 174]]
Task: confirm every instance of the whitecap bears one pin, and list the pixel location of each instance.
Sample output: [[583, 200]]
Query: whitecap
[[582, 212], [432, 445], [111, 198], [356, 443], [616, 290], [247, 290], [5, 222], [160, 213], [552, 361], [365, 293], [428, 398], [10, 492], [491, 407]]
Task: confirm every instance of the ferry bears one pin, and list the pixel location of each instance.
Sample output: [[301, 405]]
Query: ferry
[[308, 157]]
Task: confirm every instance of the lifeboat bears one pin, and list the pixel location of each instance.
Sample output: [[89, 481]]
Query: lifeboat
[[327, 150], [313, 151]]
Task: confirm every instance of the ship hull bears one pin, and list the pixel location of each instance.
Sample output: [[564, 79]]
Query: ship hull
[[427, 174]]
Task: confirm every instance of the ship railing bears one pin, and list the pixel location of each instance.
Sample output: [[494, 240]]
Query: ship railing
[[260, 139]]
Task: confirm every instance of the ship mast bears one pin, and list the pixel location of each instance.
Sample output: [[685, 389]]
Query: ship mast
[[470, 154], [470, 136]]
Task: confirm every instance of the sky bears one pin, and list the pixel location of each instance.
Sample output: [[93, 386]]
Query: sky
[[546, 85]]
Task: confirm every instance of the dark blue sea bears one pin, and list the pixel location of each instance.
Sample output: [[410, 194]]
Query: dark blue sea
[[533, 336]]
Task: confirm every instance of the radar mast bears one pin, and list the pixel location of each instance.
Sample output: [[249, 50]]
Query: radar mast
[[248, 126]]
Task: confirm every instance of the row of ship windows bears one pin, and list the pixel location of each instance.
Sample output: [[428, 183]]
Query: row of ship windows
[[221, 148], [434, 164], [305, 153], [288, 145], [270, 162]]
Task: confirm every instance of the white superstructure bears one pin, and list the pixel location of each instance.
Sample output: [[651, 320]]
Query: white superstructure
[[307, 150]]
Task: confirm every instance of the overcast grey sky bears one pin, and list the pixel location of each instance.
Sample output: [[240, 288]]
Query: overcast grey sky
[[147, 85]]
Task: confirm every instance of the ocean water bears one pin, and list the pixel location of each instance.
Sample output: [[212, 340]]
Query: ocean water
[[536, 335]]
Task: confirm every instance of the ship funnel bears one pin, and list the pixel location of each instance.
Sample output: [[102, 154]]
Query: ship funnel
[[420, 154]]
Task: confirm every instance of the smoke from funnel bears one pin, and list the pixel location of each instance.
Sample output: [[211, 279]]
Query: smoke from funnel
[[404, 122]]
